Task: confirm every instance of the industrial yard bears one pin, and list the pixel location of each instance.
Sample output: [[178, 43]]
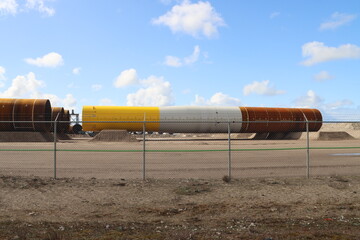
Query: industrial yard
[[271, 173], [179, 120], [99, 194]]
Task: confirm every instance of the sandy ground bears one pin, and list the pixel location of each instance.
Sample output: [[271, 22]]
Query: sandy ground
[[250, 208], [180, 159], [99, 193]]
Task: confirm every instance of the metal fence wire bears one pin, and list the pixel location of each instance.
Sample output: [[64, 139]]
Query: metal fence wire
[[333, 150]]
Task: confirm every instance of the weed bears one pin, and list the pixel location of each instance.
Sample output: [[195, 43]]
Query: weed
[[226, 178]]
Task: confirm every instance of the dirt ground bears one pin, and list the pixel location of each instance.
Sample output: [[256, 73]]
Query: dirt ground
[[326, 207], [180, 159], [99, 193]]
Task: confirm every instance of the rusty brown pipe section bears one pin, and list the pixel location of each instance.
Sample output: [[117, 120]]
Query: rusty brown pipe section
[[279, 119], [63, 117], [66, 124], [25, 115], [57, 114]]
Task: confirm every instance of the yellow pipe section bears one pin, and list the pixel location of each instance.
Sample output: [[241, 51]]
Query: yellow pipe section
[[118, 114]]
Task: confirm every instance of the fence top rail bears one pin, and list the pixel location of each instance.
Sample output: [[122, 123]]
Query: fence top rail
[[183, 121]]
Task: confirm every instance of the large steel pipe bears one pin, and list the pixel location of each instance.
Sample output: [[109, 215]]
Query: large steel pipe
[[62, 117], [202, 119], [25, 115], [261, 120], [6, 114], [65, 125], [57, 114]]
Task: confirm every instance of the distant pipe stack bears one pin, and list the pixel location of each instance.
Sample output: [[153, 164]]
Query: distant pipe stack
[[65, 122], [37, 115], [66, 126], [31, 115], [62, 116]]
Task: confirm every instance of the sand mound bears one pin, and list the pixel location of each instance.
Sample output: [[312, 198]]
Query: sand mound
[[114, 136], [26, 137], [340, 126], [352, 129], [334, 136], [329, 135], [336, 131]]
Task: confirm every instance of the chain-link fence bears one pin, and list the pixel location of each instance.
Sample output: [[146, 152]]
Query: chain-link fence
[[333, 150]]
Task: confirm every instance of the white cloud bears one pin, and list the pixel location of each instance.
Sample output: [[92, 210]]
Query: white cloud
[[323, 76], [173, 61], [274, 15], [96, 87], [126, 78], [337, 20], [8, 7], [27, 86], [2, 76], [177, 62], [2, 72], [338, 110], [223, 99], [69, 102], [338, 104], [261, 88], [193, 57], [76, 70], [309, 101], [218, 99], [192, 18], [23, 87], [52, 59], [106, 102], [13, 7], [39, 5], [318, 52], [200, 100], [343, 113], [155, 92]]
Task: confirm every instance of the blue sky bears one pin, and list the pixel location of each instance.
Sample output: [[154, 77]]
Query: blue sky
[[273, 53]]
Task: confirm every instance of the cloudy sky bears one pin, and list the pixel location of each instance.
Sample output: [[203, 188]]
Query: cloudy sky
[[272, 53]]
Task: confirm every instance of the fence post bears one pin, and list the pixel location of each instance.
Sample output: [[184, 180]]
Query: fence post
[[229, 151], [55, 138], [144, 162], [307, 150]]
